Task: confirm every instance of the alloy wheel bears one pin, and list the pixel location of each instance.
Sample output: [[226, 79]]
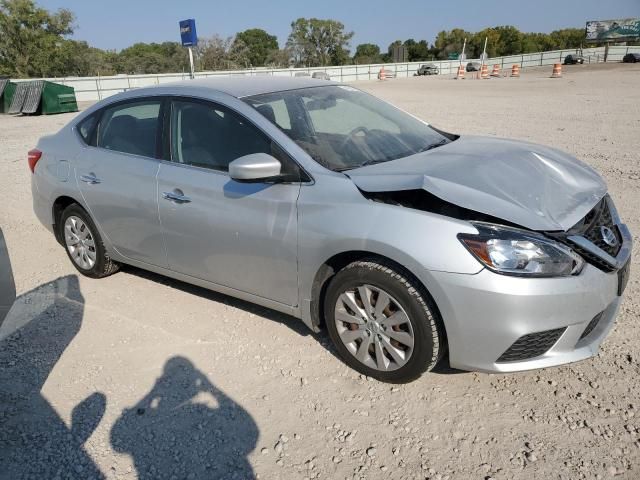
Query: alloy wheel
[[374, 327], [80, 242]]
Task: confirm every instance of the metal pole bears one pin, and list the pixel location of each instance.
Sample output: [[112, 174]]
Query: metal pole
[[484, 51], [191, 63], [464, 45]]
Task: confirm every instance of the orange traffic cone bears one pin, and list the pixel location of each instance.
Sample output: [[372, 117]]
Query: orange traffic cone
[[496, 71], [515, 70], [381, 74], [460, 75], [484, 72], [557, 71]]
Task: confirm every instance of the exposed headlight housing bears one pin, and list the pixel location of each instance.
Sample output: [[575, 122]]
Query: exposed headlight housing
[[511, 251]]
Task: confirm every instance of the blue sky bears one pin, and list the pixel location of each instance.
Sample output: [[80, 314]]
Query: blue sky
[[116, 24]]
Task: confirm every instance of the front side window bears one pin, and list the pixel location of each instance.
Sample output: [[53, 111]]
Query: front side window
[[212, 136], [131, 127], [342, 128]]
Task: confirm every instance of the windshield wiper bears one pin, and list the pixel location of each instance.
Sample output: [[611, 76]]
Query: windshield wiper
[[433, 145], [364, 164]]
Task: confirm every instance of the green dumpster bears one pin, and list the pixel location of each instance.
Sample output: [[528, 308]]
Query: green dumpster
[[7, 89], [43, 97]]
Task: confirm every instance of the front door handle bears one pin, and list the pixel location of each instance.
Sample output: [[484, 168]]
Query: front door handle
[[91, 179], [176, 197]]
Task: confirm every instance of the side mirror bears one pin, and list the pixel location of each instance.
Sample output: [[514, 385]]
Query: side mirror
[[255, 167], [7, 286]]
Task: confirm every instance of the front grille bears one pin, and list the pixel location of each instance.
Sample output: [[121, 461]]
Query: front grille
[[589, 229], [592, 325], [531, 345], [603, 219], [594, 260]]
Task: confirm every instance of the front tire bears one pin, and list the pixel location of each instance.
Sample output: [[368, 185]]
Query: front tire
[[83, 244], [382, 323]]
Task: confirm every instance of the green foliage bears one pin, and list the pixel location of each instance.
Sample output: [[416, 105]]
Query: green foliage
[[367, 53], [315, 42], [31, 38], [34, 43], [506, 40], [153, 58], [417, 50], [259, 45]]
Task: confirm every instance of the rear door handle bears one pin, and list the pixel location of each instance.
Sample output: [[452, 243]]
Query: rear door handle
[[91, 179], [176, 197]]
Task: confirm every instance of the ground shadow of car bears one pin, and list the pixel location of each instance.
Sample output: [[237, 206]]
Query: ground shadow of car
[[35, 442], [293, 323], [185, 427]]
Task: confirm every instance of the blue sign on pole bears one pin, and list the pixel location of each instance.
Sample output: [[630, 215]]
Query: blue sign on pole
[[188, 33]]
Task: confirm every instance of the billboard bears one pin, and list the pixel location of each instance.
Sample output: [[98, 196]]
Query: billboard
[[188, 33], [613, 30]]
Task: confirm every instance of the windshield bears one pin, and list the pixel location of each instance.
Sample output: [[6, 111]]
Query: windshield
[[343, 128]]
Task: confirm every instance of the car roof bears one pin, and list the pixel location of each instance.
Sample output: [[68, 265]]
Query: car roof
[[247, 86]]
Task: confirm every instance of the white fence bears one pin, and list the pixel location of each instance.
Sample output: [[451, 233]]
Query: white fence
[[96, 88]]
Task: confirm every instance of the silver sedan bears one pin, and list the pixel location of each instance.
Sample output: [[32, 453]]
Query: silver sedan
[[318, 200]]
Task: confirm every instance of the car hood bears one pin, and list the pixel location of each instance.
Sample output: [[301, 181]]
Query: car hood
[[530, 185]]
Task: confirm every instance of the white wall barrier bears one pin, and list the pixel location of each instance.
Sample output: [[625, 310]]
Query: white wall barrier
[[96, 88]]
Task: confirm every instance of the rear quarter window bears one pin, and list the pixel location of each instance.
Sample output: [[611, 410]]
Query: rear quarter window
[[86, 128]]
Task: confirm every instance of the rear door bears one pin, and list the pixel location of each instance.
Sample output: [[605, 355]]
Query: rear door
[[239, 235], [116, 175], [7, 285]]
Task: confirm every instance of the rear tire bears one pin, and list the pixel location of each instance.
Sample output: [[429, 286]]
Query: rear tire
[[395, 341], [83, 244]]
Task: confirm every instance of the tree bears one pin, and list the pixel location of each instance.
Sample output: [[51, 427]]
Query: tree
[[217, 53], [279, 58], [259, 44], [451, 42], [78, 59], [367, 53], [30, 38], [417, 50], [566, 38], [316, 42], [153, 58]]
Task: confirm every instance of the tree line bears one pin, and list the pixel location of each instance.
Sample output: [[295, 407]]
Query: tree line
[[34, 42]]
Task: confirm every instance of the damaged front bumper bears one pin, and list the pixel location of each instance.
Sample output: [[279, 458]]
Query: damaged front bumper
[[487, 314], [501, 323]]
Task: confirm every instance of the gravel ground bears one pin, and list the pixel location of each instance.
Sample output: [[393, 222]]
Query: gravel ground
[[139, 376]]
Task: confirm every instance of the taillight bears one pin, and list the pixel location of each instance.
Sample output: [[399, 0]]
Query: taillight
[[33, 157]]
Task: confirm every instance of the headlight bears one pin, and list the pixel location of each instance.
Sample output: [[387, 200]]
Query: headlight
[[517, 252]]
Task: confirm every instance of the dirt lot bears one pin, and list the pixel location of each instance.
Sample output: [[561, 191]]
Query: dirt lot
[[138, 376]]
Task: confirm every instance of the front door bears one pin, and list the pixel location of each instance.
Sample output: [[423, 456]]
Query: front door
[[239, 235], [117, 179]]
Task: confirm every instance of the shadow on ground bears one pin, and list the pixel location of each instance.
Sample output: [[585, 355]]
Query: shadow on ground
[[184, 427], [35, 442], [442, 368], [293, 323]]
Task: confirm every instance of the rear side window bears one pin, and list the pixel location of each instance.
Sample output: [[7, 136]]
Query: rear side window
[[130, 128], [85, 128]]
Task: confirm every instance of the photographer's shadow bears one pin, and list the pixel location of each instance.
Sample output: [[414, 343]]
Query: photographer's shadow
[[34, 440], [185, 427]]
